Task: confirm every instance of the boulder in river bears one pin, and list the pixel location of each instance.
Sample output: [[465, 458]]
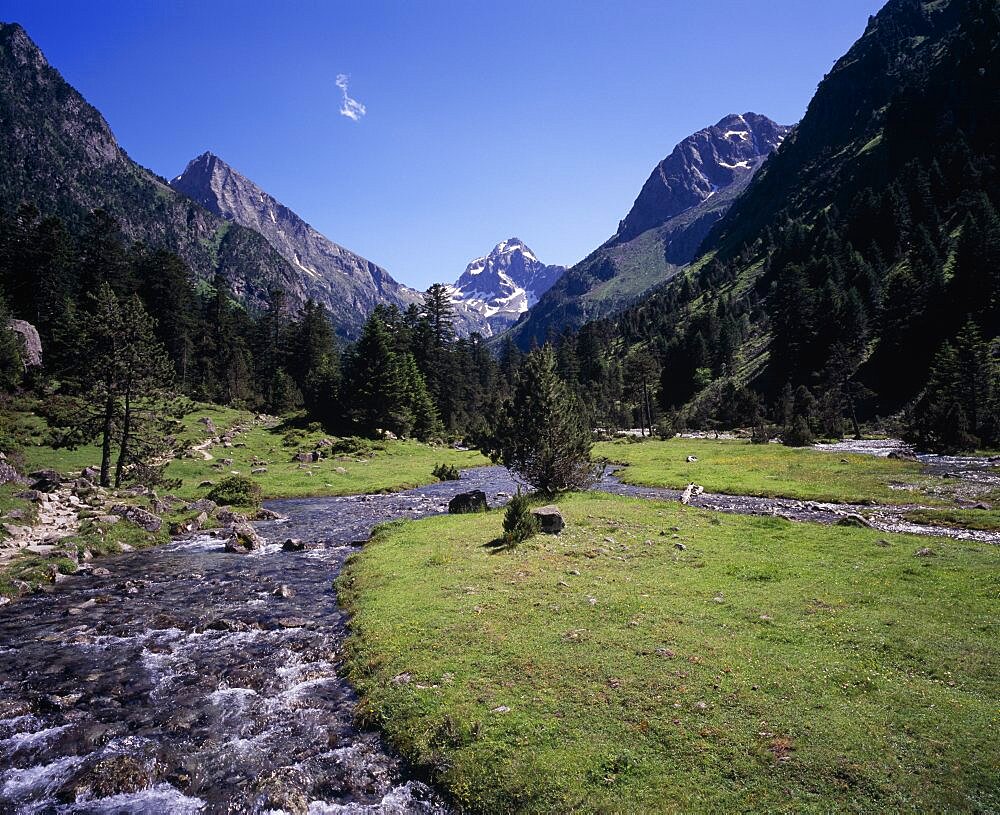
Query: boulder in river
[[140, 517], [293, 545], [114, 775], [244, 539], [550, 519], [466, 502]]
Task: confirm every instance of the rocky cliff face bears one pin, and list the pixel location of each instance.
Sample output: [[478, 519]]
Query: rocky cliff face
[[347, 284], [683, 199], [58, 153], [495, 290], [702, 165]]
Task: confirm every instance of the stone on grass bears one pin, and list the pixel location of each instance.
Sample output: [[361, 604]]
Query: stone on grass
[[550, 519], [139, 517], [925, 552], [465, 502]]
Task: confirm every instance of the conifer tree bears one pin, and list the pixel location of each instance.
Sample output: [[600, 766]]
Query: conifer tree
[[542, 435]]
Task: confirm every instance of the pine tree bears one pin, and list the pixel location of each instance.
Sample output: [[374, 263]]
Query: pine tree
[[542, 435]]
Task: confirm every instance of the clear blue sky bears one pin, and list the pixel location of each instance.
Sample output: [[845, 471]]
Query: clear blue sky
[[540, 119]]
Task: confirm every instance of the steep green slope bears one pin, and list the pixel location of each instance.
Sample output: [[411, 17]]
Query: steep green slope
[[58, 153], [868, 241]]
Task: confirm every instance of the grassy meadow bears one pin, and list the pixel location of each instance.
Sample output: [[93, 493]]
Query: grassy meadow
[[736, 467], [767, 666]]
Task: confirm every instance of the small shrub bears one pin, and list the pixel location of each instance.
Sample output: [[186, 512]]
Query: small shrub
[[761, 433], [237, 491], [518, 522], [797, 433], [446, 472]]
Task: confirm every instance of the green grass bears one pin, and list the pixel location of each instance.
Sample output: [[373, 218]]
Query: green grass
[[736, 467], [379, 466], [978, 519], [769, 667]]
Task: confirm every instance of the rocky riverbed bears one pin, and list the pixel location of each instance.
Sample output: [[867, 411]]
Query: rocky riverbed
[[189, 679]]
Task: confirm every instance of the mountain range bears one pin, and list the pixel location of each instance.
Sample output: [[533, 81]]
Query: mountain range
[[348, 285], [684, 197]]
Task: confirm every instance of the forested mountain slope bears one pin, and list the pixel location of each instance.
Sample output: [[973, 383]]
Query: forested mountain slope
[[685, 195], [861, 264]]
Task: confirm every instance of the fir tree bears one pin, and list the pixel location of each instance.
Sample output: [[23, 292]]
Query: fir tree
[[542, 435]]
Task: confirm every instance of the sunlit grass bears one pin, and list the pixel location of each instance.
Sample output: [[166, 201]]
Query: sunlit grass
[[768, 666]]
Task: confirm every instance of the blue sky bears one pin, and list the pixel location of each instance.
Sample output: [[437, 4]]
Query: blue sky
[[539, 119]]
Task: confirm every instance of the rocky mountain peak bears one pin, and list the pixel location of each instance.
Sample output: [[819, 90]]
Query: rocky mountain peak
[[712, 159], [502, 285], [21, 47], [346, 283]]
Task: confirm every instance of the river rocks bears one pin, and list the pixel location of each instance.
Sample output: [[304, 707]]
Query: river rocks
[[855, 520], [293, 545], [285, 790], [243, 540], [903, 455], [465, 502], [228, 515], [691, 491], [550, 519], [284, 591], [265, 514], [140, 517]]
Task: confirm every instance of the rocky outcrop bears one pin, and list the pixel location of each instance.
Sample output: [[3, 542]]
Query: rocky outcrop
[[31, 343]]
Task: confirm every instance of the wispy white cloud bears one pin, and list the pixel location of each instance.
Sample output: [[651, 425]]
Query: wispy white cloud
[[351, 108]]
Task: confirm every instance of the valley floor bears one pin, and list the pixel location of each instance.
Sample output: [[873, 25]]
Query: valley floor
[[661, 658]]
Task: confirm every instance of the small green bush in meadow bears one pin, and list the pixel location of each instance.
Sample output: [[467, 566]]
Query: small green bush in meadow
[[518, 522], [237, 491]]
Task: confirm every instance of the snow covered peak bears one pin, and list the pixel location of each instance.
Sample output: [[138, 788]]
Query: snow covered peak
[[497, 288]]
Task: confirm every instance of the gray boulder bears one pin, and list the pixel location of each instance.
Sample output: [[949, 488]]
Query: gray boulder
[[466, 502], [203, 505], [244, 539], [45, 480], [550, 519], [31, 343], [139, 517], [8, 475]]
